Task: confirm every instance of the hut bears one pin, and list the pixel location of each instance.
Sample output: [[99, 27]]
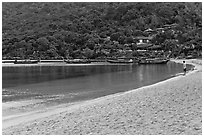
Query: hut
[[143, 40]]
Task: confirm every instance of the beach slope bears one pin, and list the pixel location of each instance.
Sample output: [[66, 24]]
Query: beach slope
[[170, 107]]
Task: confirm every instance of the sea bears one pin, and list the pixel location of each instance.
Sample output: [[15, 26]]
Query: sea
[[59, 83]]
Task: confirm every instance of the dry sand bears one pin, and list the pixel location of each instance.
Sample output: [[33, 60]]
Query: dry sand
[[169, 107]]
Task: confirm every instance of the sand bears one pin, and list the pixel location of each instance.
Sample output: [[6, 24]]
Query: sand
[[170, 107], [56, 64]]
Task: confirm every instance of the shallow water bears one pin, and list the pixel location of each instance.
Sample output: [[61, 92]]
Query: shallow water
[[64, 83]]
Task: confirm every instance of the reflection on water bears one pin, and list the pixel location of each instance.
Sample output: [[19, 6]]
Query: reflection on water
[[83, 82]]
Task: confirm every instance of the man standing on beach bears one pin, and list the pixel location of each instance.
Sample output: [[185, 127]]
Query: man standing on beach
[[184, 67]]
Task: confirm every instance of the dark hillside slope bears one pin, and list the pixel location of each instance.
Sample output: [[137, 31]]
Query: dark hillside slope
[[77, 30]]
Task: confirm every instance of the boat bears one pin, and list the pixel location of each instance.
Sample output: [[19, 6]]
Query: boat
[[153, 61], [98, 60], [77, 61], [120, 61], [51, 61], [7, 61], [25, 61]]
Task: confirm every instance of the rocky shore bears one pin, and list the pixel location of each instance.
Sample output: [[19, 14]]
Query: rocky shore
[[170, 107]]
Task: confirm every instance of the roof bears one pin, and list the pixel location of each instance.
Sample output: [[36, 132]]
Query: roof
[[155, 47], [144, 46], [148, 30], [170, 25], [142, 37], [159, 28]]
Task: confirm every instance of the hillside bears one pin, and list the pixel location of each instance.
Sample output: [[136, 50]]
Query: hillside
[[91, 30]]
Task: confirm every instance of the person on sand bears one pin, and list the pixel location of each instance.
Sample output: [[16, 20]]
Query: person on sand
[[184, 67]]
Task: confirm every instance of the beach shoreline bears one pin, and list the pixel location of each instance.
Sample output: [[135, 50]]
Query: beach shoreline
[[58, 64], [111, 104]]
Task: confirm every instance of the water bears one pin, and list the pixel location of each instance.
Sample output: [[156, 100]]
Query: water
[[65, 83]]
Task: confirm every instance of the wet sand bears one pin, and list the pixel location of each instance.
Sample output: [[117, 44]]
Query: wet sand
[[171, 107]]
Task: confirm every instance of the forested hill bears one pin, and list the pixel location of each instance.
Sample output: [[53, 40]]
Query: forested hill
[[91, 30]]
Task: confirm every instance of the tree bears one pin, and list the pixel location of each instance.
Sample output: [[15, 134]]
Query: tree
[[20, 44], [129, 40], [170, 45], [43, 44], [88, 53], [159, 38], [137, 33], [154, 21], [90, 44], [122, 39], [115, 36], [74, 27]]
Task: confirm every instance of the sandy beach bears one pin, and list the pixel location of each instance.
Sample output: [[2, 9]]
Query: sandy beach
[[55, 64], [170, 107]]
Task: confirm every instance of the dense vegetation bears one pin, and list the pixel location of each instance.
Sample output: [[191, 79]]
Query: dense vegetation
[[92, 30]]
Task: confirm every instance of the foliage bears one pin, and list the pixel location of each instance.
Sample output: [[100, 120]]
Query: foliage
[[75, 30]]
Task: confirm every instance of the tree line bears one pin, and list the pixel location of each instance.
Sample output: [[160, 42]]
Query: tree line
[[94, 30]]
